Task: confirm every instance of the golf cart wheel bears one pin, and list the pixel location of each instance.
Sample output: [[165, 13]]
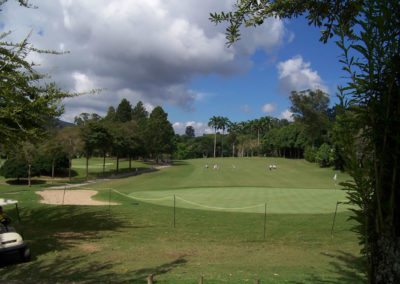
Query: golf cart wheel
[[25, 254]]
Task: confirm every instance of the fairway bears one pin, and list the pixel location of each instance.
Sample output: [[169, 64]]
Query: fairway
[[249, 199], [187, 220]]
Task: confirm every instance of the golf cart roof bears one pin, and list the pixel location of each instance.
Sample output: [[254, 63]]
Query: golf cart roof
[[4, 201]]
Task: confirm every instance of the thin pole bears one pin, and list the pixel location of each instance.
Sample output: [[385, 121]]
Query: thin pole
[[174, 210], [265, 219], [65, 187], [109, 202], [334, 219]]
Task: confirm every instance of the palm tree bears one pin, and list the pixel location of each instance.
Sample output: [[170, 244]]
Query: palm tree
[[234, 130], [223, 124], [214, 123]]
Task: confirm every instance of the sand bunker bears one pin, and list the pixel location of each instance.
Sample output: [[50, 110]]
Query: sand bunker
[[70, 197]]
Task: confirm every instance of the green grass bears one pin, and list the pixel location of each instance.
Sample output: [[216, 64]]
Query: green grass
[[248, 199], [125, 243]]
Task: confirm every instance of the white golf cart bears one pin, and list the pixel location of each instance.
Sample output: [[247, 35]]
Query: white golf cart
[[11, 243]]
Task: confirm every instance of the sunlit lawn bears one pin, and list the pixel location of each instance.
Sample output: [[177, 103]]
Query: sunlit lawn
[[125, 243]]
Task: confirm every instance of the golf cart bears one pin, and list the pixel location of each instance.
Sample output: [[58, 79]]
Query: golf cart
[[11, 243]]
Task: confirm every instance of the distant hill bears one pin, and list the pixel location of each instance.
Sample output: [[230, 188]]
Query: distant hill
[[57, 123]]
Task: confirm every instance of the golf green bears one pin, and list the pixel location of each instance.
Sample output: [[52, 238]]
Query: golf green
[[248, 199]]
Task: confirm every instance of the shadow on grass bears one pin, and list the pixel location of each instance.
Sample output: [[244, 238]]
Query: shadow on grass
[[56, 228], [350, 268], [70, 269], [180, 163], [24, 182]]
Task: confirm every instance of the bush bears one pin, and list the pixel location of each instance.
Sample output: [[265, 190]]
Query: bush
[[43, 163], [17, 167], [325, 156], [310, 154]]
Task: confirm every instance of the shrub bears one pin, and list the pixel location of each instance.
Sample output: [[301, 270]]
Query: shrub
[[325, 156], [310, 154]]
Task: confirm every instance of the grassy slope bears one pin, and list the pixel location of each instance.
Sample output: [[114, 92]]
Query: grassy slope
[[72, 243]]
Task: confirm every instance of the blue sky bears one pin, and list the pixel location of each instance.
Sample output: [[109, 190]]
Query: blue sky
[[167, 52], [242, 96]]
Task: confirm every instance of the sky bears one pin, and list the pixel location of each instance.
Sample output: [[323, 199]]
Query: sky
[[167, 53]]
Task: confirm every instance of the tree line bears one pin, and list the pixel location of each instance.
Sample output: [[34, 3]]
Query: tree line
[[311, 135], [126, 132]]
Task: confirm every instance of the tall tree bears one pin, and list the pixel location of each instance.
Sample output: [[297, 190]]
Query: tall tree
[[223, 124], [160, 133], [120, 141], [214, 123], [310, 108], [124, 111], [189, 131], [139, 112], [70, 140], [368, 34], [29, 151], [95, 136], [234, 130], [111, 114]]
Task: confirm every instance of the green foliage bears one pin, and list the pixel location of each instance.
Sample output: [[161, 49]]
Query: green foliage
[[139, 113], [111, 114], [325, 156], [124, 111], [325, 14], [159, 133], [310, 109], [27, 102], [16, 167], [310, 154], [43, 164], [189, 131]]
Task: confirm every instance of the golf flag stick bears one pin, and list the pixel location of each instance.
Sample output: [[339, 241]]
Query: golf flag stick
[[334, 218]]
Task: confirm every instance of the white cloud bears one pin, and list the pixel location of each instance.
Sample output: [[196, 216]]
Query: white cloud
[[268, 108], [200, 128], [150, 50], [296, 75], [82, 82], [287, 114]]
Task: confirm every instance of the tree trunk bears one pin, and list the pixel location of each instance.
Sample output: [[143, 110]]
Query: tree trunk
[[53, 162], [29, 175], [130, 162], [385, 257], [222, 144], [215, 142], [104, 163], [87, 167], [69, 167], [117, 164]]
